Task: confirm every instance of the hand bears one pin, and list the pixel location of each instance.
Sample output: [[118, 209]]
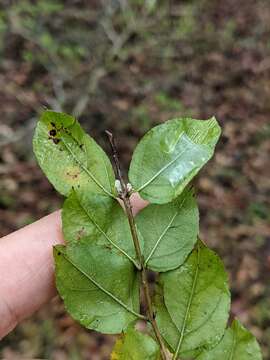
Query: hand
[[27, 270]]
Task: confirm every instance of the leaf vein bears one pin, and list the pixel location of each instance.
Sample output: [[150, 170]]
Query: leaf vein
[[85, 169], [165, 231], [160, 172], [233, 347], [188, 305], [107, 237], [100, 287], [160, 238]]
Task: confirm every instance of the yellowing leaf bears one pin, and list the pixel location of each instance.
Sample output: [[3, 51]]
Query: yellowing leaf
[[134, 345], [69, 157]]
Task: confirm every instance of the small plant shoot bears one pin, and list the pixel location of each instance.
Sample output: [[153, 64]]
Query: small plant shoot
[[102, 271]]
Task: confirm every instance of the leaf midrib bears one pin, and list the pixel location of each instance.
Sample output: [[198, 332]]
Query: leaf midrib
[[202, 139], [160, 238], [100, 287], [159, 172], [164, 232], [194, 283], [106, 236], [206, 320], [88, 172], [233, 347]]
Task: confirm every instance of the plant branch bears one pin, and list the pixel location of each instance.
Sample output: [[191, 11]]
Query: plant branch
[[125, 196]]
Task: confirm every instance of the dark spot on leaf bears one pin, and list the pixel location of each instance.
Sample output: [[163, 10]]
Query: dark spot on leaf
[[66, 131], [56, 141], [80, 233], [53, 124], [72, 176], [58, 253], [81, 146], [52, 132]]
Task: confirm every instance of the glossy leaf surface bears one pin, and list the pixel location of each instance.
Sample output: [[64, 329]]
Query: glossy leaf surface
[[134, 345], [69, 157], [237, 344], [99, 219], [194, 309], [99, 287], [170, 155], [95, 272], [169, 232]]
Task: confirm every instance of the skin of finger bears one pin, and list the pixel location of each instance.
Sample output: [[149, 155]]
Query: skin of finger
[[137, 203], [27, 269]]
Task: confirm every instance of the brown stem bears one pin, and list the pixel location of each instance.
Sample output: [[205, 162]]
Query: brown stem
[[125, 196]]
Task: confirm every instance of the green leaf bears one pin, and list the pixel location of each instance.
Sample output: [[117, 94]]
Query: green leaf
[[236, 344], [99, 287], [169, 232], [86, 214], [170, 155], [69, 157], [194, 309], [97, 218], [134, 345]]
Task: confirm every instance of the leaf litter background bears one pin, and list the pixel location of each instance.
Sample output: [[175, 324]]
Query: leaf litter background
[[126, 66]]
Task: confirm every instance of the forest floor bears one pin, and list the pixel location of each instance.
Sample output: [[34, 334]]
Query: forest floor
[[126, 66]]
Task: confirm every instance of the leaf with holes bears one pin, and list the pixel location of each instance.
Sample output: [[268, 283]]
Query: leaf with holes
[[69, 157], [98, 285], [236, 344], [194, 308], [170, 155], [134, 345], [169, 232]]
